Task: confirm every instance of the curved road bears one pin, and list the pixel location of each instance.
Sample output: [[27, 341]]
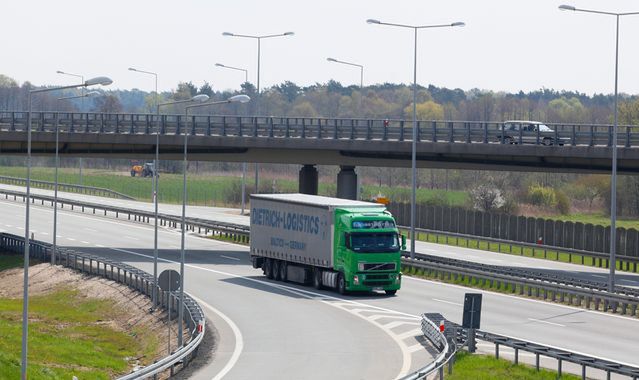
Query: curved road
[[295, 331]]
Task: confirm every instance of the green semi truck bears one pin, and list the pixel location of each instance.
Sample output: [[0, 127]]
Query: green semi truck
[[329, 242]]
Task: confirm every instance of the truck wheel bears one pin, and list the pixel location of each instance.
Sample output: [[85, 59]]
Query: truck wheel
[[132, 173], [317, 279], [276, 270], [283, 271], [390, 292], [341, 284], [268, 268]]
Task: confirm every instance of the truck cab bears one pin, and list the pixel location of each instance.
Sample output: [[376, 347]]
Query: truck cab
[[368, 249]]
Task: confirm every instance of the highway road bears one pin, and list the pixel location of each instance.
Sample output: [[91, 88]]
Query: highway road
[[272, 328], [231, 215]]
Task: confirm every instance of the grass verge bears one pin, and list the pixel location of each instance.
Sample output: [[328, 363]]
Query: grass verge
[[482, 367], [8, 261]]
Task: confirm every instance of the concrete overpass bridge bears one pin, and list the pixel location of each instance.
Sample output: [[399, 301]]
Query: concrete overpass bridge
[[325, 141]]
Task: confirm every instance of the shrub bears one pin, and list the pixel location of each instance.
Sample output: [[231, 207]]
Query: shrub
[[539, 195], [563, 202]]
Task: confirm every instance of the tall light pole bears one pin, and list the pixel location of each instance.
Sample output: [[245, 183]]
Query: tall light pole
[[156, 178], [82, 109], [201, 99], [243, 163], [234, 68], [361, 77], [27, 241], [54, 248], [258, 100], [613, 178], [414, 143]]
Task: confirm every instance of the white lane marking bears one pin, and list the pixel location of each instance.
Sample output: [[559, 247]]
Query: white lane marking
[[44, 233], [84, 242], [239, 340], [415, 348], [448, 302], [8, 225], [394, 324], [99, 245], [546, 322], [90, 229], [406, 355], [600, 313], [599, 276], [230, 258], [20, 228], [410, 334], [131, 237], [71, 239], [628, 281]]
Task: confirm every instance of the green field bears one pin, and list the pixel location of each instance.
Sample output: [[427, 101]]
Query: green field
[[213, 190], [10, 261], [67, 336], [596, 219], [481, 367]]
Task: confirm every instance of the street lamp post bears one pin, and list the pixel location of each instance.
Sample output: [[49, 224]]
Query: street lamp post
[[243, 163], [258, 100], [613, 178], [200, 99], [54, 248], [27, 241], [82, 111], [361, 77], [155, 185], [414, 142]]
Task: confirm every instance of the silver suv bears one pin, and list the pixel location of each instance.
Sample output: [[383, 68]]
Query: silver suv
[[529, 132]]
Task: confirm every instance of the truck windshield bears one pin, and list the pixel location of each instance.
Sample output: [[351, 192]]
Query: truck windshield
[[375, 242]]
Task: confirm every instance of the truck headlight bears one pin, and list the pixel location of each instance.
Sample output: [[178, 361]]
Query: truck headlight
[[356, 280], [360, 267]]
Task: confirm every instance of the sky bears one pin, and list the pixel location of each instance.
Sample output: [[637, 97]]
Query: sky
[[506, 45]]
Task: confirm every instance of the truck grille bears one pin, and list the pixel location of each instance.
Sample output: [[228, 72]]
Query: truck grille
[[379, 266], [376, 283], [377, 276]]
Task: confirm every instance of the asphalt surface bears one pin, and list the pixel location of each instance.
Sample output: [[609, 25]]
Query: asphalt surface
[[294, 331]]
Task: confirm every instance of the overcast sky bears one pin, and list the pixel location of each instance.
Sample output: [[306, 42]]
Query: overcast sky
[[507, 45]]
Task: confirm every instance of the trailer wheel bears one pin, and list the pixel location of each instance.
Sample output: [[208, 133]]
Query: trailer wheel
[[341, 284], [276, 270], [268, 268], [317, 279], [283, 271]]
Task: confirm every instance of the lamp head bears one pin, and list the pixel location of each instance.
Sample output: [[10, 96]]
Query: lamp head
[[59, 72], [201, 98], [331, 59], [288, 33], [458, 24], [132, 69], [219, 65], [239, 99], [373, 21], [104, 81], [228, 34], [567, 8]]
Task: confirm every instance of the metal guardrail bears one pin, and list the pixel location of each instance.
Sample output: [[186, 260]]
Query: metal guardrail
[[132, 277], [562, 289], [80, 189], [447, 349], [444, 131], [540, 350], [521, 272]]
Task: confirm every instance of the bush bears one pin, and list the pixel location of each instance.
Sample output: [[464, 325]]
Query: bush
[[563, 202], [539, 195]]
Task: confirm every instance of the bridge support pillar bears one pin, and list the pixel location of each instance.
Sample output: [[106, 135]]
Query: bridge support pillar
[[347, 183], [308, 180]]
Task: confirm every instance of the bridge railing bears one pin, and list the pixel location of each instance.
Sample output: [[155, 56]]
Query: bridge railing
[[444, 131]]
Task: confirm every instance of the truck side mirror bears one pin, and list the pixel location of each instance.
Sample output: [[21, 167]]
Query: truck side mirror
[[403, 242], [347, 240]]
